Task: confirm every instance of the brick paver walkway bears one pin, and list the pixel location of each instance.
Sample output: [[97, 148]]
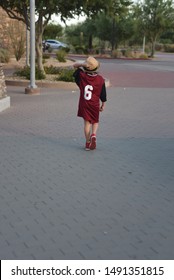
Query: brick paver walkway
[[58, 201]]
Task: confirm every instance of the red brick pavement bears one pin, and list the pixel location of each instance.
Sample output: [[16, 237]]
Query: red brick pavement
[[143, 79], [157, 73]]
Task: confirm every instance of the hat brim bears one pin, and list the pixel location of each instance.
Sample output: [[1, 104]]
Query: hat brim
[[88, 70]]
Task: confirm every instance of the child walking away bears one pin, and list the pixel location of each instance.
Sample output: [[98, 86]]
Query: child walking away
[[92, 98]]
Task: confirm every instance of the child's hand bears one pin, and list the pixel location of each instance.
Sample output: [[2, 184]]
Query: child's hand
[[101, 108], [76, 65]]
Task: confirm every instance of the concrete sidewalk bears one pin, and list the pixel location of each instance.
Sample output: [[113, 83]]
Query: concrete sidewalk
[[58, 201]]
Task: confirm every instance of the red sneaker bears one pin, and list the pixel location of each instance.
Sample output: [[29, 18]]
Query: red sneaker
[[93, 142], [87, 147]]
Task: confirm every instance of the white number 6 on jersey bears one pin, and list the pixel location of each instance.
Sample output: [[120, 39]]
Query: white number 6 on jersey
[[88, 92]]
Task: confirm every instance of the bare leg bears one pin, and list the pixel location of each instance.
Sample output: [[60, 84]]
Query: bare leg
[[87, 130], [93, 136], [94, 128]]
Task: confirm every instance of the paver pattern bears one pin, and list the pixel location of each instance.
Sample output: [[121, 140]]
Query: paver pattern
[[58, 201]]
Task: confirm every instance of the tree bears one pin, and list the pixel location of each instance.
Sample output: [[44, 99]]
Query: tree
[[167, 37], [72, 33], [116, 10], [89, 31], [154, 17], [81, 35], [104, 24], [52, 31], [44, 10]]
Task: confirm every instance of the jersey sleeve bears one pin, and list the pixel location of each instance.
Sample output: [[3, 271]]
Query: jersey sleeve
[[103, 95], [76, 76]]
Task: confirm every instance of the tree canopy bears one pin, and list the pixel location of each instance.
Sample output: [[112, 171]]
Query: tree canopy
[[114, 21], [44, 9], [154, 17]]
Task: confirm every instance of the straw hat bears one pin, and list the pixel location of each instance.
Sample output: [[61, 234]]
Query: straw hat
[[91, 64]]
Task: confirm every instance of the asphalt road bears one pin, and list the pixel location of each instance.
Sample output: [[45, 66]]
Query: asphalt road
[[155, 73]]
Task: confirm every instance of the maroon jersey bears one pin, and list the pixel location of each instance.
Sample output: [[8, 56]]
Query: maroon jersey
[[92, 90]]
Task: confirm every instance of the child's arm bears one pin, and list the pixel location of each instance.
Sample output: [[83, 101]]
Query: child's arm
[[78, 69], [102, 106], [77, 65], [103, 98]]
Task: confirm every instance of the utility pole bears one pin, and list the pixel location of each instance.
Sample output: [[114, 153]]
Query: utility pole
[[32, 88]]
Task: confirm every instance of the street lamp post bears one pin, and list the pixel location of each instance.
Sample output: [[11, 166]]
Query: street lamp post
[[32, 88]]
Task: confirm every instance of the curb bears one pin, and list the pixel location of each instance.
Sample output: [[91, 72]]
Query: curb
[[64, 85], [41, 84]]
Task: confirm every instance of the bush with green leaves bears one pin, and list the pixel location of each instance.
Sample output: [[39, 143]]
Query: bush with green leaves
[[81, 50], [25, 72], [66, 49], [143, 56], [19, 48], [169, 48], [61, 55], [116, 54], [46, 56], [4, 56], [39, 74], [50, 49], [129, 53], [52, 70], [159, 47], [66, 75]]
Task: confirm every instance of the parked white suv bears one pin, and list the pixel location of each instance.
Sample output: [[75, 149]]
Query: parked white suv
[[53, 44]]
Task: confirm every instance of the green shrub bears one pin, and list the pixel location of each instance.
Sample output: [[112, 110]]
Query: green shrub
[[80, 50], [46, 56], [147, 49], [52, 70], [166, 41], [40, 75], [159, 47], [66, 49], [129, 54], [123, 51], [50, 50], [66, 75], [116, 54], [143, 56], [43, 60], [4, 56], [60, 55], [19, 48], [25, 72], [169, 48]]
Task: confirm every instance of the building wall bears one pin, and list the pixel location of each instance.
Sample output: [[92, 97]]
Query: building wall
[[10, 29], [4, 24]]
